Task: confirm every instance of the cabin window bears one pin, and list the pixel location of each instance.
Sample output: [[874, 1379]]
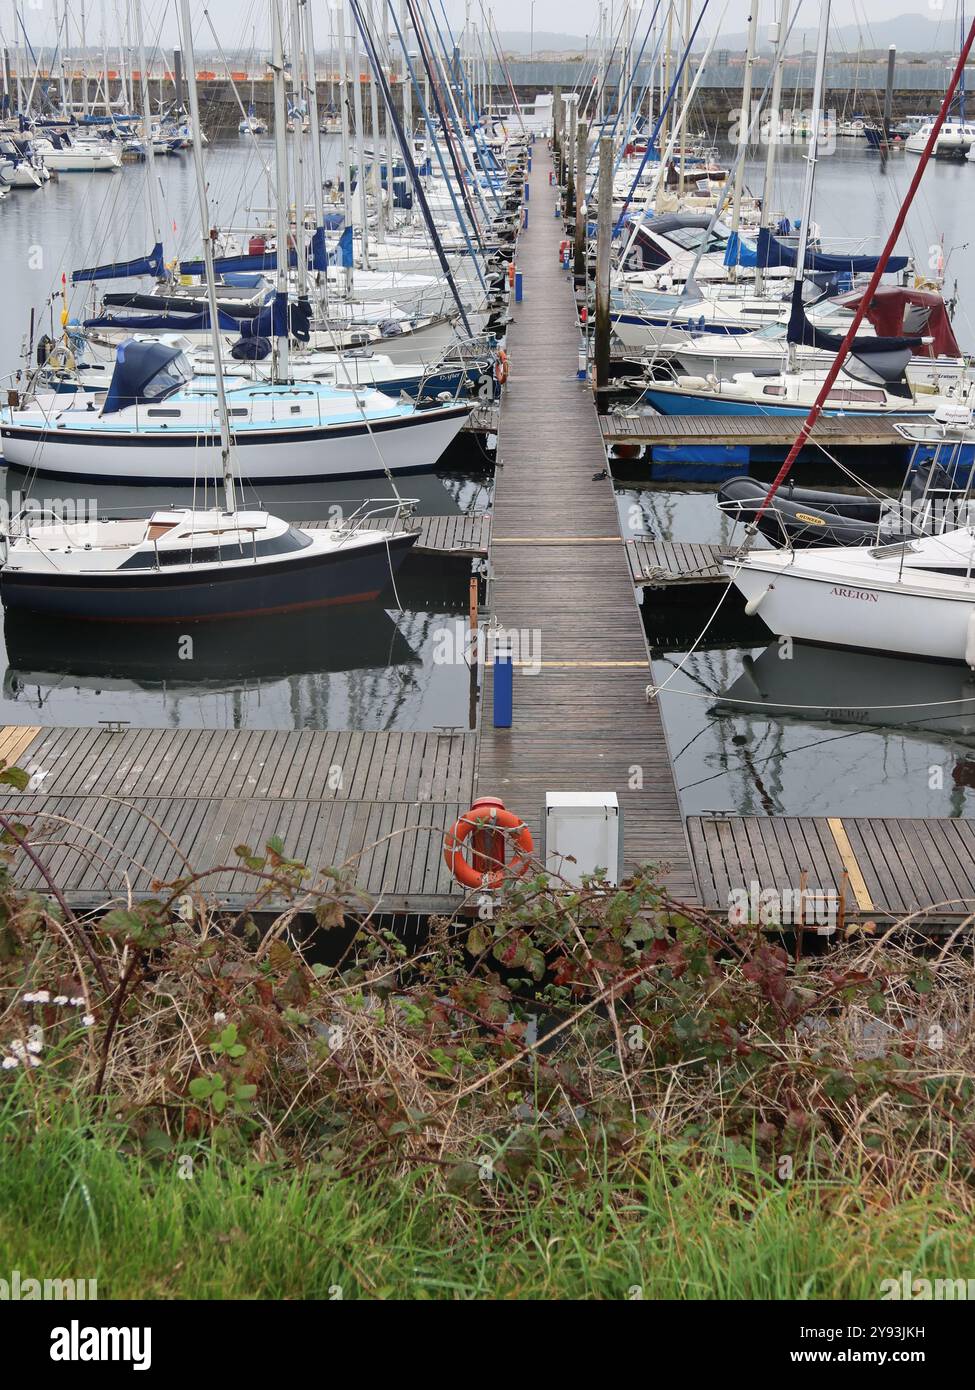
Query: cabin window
[[773, 390], [168, 414], [851, 396]]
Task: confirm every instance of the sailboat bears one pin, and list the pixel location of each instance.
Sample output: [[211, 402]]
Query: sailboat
[[158, 422], [914, 597], [179, 564]]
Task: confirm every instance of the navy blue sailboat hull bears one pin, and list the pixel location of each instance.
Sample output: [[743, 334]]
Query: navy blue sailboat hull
[[209, 591]]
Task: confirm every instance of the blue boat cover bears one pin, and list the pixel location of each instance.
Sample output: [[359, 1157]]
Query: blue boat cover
[[144, 372], [771, 252], [264, 261]]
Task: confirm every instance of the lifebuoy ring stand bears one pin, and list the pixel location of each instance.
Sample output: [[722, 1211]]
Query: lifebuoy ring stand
[[486, 823]]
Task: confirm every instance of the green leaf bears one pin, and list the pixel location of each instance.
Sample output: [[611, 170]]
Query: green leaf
[[15, 777], [200, 1087], [219, 1101], [246, 1092]]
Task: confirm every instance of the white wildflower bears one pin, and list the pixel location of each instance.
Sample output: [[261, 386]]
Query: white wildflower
[[42, 996], [60, 1000], [220, 1017], [8, 1063], [87, 1020], [77, 1002], [35, 1039]]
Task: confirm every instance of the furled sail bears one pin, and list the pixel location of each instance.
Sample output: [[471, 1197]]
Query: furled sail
[[121, 270]]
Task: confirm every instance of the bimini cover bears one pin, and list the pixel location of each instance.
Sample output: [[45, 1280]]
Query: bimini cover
[[145, 372], [771, 252], [880, 359], [894, 310]]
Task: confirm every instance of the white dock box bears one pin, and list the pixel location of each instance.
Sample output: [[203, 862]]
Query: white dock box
[[588, 826]]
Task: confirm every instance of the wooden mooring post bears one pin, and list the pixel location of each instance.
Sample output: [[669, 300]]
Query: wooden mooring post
[[570, 180], [582, 146]]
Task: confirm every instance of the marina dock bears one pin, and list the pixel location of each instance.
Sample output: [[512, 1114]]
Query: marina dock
[[125, 809], [750, 431]]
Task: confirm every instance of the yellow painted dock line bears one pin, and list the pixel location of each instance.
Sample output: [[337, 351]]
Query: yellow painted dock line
[[557, 540], [575, 665], [857, 881], [15, 739]]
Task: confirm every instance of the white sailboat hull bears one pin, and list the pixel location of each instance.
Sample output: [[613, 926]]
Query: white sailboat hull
[[911, 620], [412, 444]]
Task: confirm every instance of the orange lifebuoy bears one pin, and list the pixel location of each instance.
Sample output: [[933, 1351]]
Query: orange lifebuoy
[[501, 367], [490, 815]]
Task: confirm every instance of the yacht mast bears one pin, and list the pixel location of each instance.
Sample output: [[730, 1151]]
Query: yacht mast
[[282, 218], [779, 36], [814, 126], [201, 192], [147, 130]]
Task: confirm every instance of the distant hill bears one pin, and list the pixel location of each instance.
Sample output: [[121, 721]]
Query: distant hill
[[911, 33]]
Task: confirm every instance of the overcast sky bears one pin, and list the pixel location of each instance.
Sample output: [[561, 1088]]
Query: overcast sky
[[237, 20]]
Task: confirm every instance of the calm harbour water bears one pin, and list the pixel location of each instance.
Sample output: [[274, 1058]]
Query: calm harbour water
[[371, 667], [374, 668]]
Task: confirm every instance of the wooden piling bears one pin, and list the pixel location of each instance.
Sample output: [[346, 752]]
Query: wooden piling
[[570, 182], [582, 145]]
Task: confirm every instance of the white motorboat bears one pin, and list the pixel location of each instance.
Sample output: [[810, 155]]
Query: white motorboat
[[65, 156], [956, 137]]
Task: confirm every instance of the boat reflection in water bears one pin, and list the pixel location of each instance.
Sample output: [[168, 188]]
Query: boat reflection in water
[[823, 686], [325, 669]]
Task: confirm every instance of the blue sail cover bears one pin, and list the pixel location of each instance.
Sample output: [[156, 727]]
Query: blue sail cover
[[772, 252], [740, 252], [343, 255], [121, 270], [264, 261], [274, 320]]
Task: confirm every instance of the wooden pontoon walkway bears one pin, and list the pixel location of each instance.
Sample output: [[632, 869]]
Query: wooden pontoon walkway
[[664, 564], [883, 868], [559, 571], [686, 431], [460, 535], [121, 809]]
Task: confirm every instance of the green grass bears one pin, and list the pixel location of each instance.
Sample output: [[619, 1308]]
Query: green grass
[[73, 1205]]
